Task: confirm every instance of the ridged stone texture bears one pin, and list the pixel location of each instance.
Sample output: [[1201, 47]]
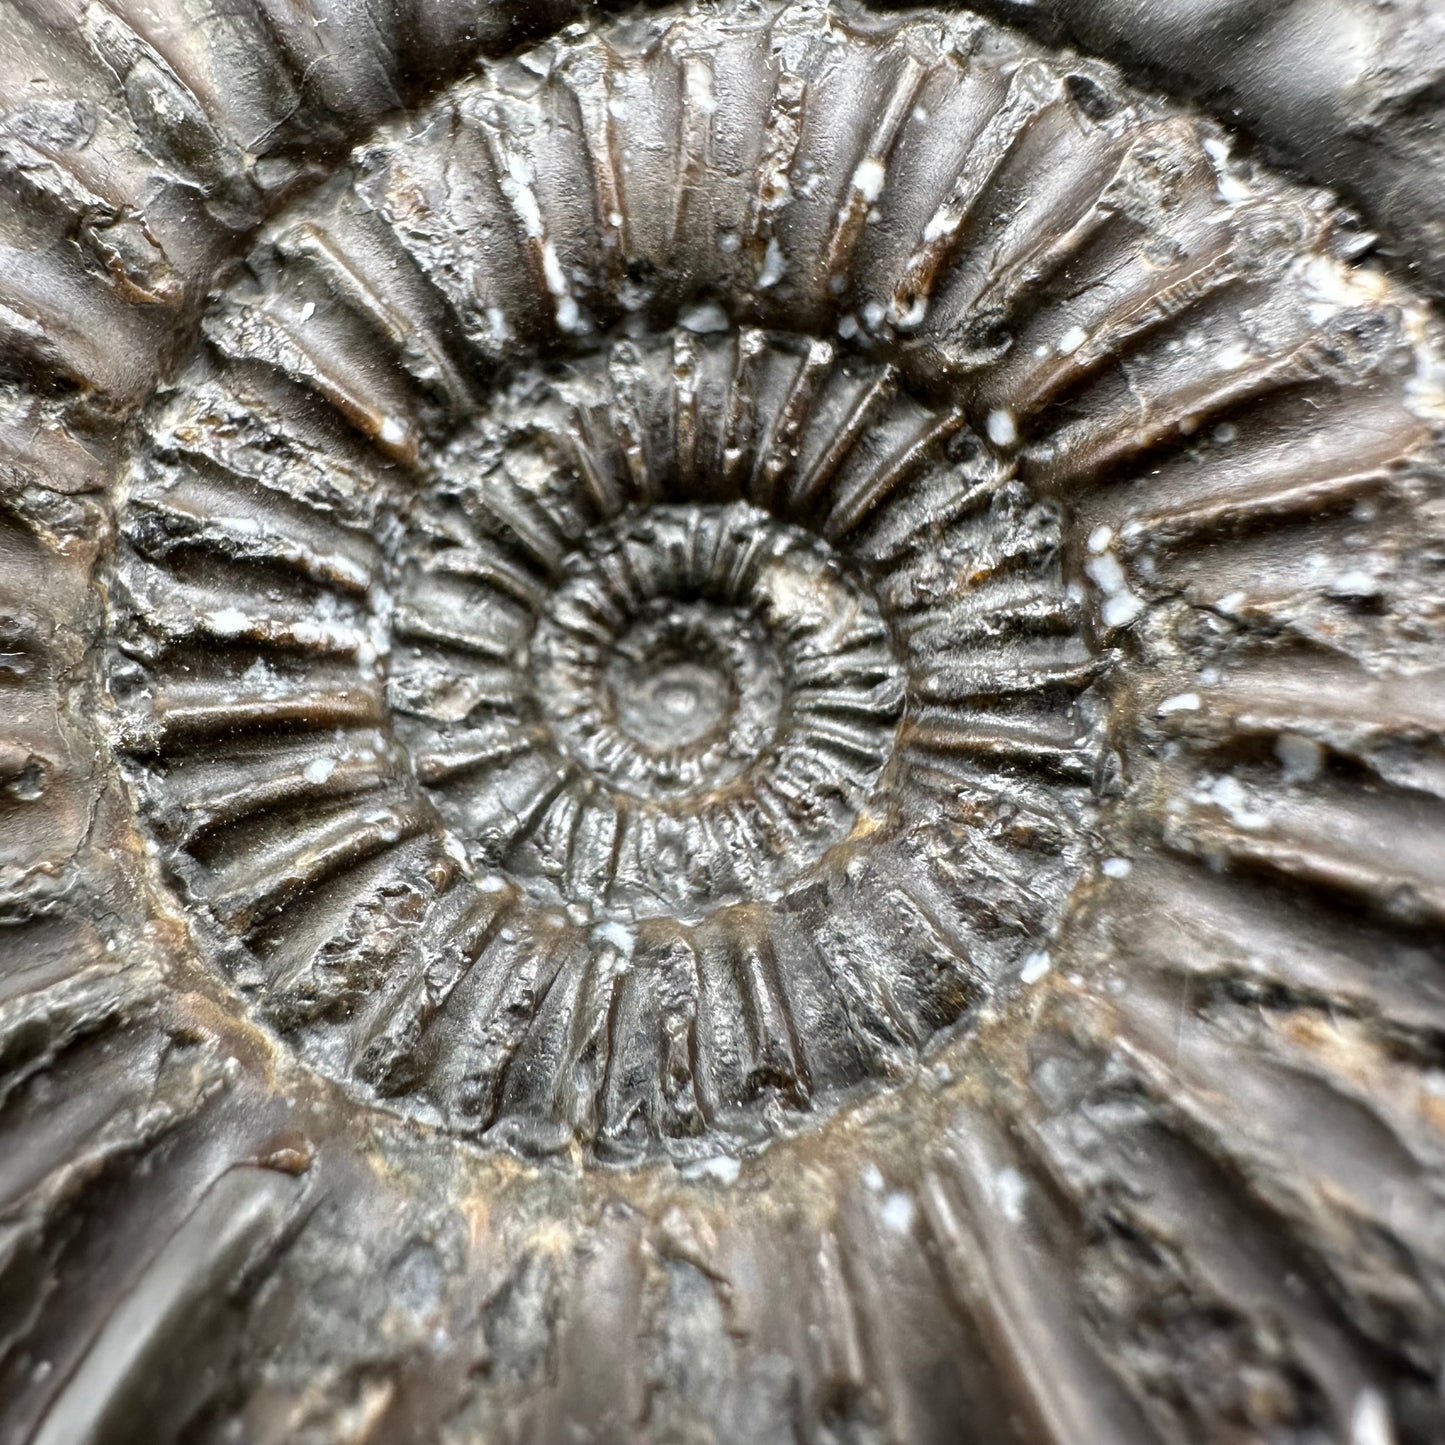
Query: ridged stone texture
[[716, 724]]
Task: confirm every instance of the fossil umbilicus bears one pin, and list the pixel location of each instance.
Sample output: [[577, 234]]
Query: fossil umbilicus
[[725, 729]]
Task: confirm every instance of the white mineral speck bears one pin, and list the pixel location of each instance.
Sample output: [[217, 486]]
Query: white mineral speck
[[1036, 965], [1121, 609], [1121, 605], [393, 433], [868, 179], [1010, 1189], [700, 92], [1228, 794], [569, 315], [1370, 1420], [1355, 582], [898, 1211], [704, 317], [1072, 340], [228, 622], [622, 938], [1002, 429], [1180, 702], [940, 225], [318, 770], [720, 1167], [1106, 572], [517, 187], [1117, 867], [260, 681], [773, 268]]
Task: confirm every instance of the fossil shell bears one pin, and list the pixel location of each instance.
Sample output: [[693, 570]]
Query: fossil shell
[[724, 728]]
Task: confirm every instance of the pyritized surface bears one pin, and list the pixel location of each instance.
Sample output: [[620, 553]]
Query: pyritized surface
[[1029, 649], [670, 924], [518, 433]]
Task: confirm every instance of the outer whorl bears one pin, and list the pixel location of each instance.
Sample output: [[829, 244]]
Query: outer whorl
[[724, 728]]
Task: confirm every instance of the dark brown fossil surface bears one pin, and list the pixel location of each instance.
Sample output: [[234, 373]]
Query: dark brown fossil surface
[[1348, 89], [716, 724]]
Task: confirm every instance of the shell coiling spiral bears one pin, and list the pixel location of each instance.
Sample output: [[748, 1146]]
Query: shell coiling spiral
[[772, 575], [624, 379], [477, 863]]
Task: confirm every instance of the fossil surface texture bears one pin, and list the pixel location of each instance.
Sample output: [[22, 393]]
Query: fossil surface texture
[[721, 723]]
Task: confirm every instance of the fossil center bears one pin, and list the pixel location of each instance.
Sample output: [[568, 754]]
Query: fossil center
[[664, 700], [696, 667], [663, 681]]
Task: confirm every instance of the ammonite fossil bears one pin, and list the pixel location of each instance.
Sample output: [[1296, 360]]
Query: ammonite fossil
[[720, 724]]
